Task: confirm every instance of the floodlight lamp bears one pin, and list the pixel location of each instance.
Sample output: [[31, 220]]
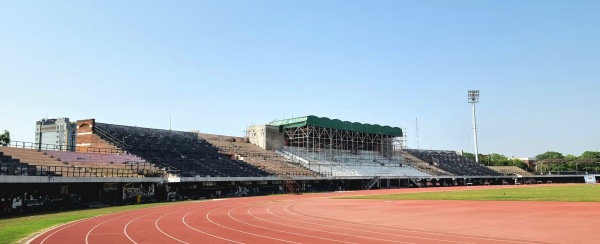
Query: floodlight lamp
[[473, 96]]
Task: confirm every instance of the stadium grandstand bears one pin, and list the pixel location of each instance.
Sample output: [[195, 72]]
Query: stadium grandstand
[[338, 148], [121, 164]]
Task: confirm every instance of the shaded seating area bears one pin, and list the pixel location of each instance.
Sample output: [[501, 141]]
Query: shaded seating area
[[452, 162], [179, 152], [347, 163]]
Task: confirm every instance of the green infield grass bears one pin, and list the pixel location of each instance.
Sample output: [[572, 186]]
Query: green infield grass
[[14, 229], [563, 193]]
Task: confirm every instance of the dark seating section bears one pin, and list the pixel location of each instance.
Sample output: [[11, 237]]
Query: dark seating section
[[452, 162], [10, 166], [178, 151]]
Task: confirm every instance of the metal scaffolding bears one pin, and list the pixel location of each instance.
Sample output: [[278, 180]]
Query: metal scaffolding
[[318, 139]]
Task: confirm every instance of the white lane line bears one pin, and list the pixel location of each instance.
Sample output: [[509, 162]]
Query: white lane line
[[131, 221], [286, 209], [87, 236], [287, 232], [56, 230], [164, 233], [161, 231], [324, 231], [206, 233], [359, 230], [245, 232]]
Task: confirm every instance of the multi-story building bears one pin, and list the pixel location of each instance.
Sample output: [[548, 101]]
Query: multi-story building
[[56, 134]]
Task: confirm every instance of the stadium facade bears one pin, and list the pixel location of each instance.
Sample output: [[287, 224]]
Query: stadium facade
[[119, 164]]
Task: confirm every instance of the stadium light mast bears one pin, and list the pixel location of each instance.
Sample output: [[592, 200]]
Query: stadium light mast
[[473, 99]]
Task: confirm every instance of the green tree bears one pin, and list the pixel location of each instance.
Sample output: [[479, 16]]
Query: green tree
[[469, 155], [5, 138], [571, 157], [550, 155], [517, 162], [590, 155]]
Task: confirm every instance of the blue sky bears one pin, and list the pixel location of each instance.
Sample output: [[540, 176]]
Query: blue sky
[[216, 66]]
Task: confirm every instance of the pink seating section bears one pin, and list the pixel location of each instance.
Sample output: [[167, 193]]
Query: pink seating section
[[93, 157]]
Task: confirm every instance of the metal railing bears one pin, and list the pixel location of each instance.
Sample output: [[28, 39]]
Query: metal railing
[[42, 146], [111, 139], [55, 147], [104, 150], [70, 171]]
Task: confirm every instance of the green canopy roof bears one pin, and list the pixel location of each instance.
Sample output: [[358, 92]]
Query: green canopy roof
[[325, 122]]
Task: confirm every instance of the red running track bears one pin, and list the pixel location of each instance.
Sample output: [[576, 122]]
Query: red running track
[[320, 218]]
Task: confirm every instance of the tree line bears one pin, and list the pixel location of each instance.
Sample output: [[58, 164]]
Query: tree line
[[588, 161], [497, 159]]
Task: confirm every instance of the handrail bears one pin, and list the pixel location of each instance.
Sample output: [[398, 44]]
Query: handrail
[[43, 146], [110, 138]]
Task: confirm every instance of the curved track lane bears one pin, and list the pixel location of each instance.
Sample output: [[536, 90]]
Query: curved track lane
[[321, 218]]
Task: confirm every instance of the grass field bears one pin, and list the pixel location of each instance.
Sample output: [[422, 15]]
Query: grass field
[[15, 229], [563, 193]]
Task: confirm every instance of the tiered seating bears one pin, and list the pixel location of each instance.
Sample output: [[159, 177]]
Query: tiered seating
[[421, 165], [254, 155], [451, 162], [93, 157], [345, 163], [181, 152], [99, 160], [31, 156], [10, 166], [43, 163], [510, 170]]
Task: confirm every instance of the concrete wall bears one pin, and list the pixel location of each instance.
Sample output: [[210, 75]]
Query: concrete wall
[[265, 136]]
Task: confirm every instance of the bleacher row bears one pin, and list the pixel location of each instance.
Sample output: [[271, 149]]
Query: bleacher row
[[452, 162], [176, 151], [10, 166], [344, 163], [21, 161], [145, 151], [510, 170], [254, 155]]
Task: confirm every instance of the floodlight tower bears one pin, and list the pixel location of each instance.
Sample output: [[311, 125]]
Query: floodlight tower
[[473, 99]]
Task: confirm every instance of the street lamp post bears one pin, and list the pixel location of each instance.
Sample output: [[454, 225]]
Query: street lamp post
[[473, 99]]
